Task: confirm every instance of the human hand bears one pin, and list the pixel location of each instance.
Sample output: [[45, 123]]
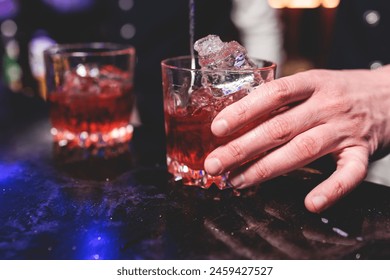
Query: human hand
[[344, 113]]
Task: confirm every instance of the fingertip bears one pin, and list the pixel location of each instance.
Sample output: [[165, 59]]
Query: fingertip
[[213, 166], [237, 181], [316, 203], [220, 127]]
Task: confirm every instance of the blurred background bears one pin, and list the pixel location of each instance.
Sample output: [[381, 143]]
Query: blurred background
[[307, 36], [29, 26]]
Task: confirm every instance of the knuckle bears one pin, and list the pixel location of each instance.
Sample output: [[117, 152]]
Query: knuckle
[[261, 171], [339, 189], [340, 104], [234, 149], [360, 166], [241, 110], [362, 169], [279, 130], [316, 74], [283, 92], [308, 147]]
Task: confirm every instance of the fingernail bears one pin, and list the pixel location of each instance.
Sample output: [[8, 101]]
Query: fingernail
[[319, 202], [220, 127], [237, 181], [213, 166]]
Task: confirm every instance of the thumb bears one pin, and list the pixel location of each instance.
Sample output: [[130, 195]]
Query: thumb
[[352, 164]]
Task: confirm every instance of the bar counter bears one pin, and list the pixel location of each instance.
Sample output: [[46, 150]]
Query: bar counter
[[129, 207]]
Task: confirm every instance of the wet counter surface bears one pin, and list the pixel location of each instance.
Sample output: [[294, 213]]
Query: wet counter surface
[[129, 208]]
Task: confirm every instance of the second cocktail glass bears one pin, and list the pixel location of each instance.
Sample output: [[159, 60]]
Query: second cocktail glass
[[90, 91], [192, 98]]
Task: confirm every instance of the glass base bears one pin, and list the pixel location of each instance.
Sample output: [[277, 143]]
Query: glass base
[[69, 139], [198, 178]]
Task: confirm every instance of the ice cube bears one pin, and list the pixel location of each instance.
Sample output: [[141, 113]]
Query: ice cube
[[83, 80], [224, 83], [179, 97], [203, 102], [76, 84], [200, 100], [90, 79], [110, 88], [87, 70], [220, 103], [220, 62], [114, 73], [206, 48], [111, 81], [201, 97], [215, 54]]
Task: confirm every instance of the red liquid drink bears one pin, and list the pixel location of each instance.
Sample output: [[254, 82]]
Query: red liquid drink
[[190, 140], [99, 114], [90, 92], [92, 110], [192, 99]]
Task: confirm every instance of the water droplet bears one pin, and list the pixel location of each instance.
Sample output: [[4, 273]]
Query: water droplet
[[340, 232], [357, 256]]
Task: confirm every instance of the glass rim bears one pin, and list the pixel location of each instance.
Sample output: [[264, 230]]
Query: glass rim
[[165, 63], [89, 49]]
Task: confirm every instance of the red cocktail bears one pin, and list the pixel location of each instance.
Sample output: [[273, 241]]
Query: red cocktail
[[90, 94], [190, 105]]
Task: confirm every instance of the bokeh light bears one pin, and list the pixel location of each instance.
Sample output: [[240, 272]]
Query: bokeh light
[[295, 4]]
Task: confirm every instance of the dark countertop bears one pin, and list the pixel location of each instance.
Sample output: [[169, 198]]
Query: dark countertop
[[128, 207]]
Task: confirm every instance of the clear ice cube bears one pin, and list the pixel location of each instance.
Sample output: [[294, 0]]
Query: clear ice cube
[[220, 60], [215, 54], [90, 79], [201, 99], [76, 84], [87, 70]]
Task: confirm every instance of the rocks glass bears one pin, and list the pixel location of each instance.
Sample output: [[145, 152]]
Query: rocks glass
[[90, 92], [192, 98]]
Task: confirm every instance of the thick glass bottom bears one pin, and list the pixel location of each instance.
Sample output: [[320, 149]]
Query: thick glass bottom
[[198, 178], [66, 138]]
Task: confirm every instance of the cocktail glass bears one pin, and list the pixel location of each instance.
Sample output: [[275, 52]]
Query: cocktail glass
[[192, 98], [90, 92]]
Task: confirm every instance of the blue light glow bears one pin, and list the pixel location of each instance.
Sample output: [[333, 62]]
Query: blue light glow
[[98, 245], [7, 170], [69, 6], [8, 9]]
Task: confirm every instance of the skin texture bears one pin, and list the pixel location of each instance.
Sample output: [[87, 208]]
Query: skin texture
[[310, 114]]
